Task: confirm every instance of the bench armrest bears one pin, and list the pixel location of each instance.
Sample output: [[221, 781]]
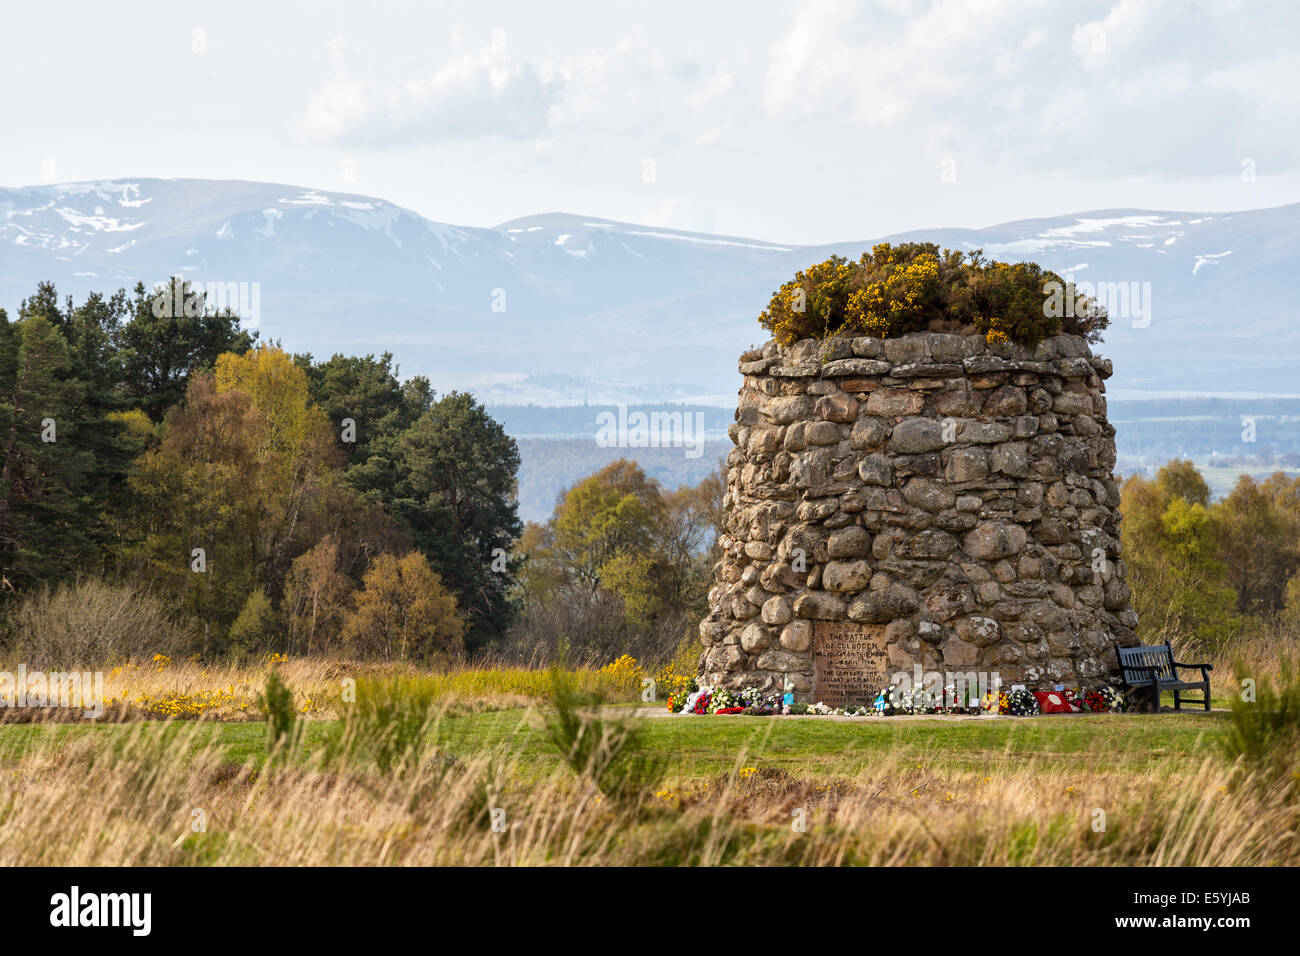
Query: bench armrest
[[1203, 668]]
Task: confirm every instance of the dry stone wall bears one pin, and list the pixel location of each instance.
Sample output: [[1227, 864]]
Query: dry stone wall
[[929, 500]]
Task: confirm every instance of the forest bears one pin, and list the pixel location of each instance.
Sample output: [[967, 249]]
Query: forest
[[162, 465], [171, 485], [1207, 573]]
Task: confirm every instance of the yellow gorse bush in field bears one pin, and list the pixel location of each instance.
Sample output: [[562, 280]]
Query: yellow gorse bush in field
[[191, 706], [188, 691], [625, 673]]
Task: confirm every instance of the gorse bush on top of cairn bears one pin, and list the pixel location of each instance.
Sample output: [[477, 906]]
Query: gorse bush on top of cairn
[[913, 287]]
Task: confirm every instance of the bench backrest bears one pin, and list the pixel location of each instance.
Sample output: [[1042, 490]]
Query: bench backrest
[[1161, 657]]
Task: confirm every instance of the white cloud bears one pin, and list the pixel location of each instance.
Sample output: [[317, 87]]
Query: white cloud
[[639, 88], [487, 92], [634, 85], [1267, 83], [887, 66], [1130, 92]]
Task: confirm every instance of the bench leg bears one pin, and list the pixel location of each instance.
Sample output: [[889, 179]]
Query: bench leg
[[1178, 701]]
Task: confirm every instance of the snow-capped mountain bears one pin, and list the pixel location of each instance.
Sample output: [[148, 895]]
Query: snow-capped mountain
[[560, 308]]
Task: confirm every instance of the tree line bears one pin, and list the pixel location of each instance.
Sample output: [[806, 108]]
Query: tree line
[[1206, 572], [274, 502]]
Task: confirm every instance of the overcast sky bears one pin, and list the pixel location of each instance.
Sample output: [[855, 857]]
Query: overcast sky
[[795, 122]]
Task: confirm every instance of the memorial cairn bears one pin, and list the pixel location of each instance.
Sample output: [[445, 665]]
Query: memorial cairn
[[930, 506]]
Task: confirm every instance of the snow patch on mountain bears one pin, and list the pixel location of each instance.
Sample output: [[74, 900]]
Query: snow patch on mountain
[[1210, 260]]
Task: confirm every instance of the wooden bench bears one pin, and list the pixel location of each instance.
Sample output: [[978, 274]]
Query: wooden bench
[[1153, 670]]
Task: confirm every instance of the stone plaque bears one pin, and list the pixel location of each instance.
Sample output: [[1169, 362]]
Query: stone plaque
[[849, 663]]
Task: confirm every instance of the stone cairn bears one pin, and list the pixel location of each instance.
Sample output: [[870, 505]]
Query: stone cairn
[[949, 498]]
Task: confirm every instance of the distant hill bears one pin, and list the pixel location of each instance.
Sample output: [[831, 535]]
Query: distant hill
[[603, 311]]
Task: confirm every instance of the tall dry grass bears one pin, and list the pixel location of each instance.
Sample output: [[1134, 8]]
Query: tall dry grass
[[158, 799], [1256, 653], [397, 783], [163, 688]]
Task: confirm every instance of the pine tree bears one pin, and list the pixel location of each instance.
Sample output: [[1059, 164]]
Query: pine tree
[[456, 492], [46, 467], [172, 334]]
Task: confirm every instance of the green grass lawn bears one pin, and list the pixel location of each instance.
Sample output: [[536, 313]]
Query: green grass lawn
[[698, 747]]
